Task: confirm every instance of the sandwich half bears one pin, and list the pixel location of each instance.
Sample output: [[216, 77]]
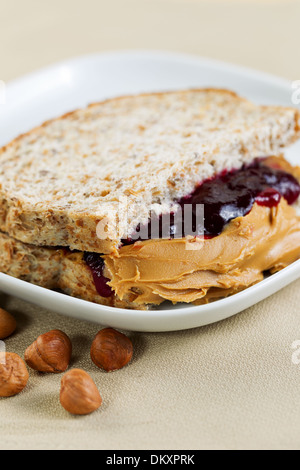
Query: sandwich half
[[181, 196]]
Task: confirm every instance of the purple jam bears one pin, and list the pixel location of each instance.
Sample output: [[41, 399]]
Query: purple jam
[[269, 198], [96, 265], [226, 197]]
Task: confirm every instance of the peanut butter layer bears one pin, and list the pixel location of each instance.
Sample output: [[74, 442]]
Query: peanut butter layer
[[189, 270]]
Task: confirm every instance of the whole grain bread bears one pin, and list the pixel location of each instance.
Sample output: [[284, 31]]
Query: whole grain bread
[[60, 180], [54, 269]]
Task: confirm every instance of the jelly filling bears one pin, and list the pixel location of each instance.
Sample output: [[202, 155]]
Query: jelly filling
[[223, 198], [96, 265]]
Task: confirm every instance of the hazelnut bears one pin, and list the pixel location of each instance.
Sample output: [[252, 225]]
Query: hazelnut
[[8, 324], [111, 350], [13, 374], [51, 352], [79, 394]]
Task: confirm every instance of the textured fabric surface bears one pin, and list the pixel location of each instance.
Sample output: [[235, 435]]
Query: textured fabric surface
[[231, 385]]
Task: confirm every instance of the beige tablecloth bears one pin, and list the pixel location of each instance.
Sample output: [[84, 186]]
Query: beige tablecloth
[[232, 385]]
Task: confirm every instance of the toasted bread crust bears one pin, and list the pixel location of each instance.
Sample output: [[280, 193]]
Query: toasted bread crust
[[61, 179]]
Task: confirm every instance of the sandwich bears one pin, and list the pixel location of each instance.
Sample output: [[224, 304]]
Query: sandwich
[[182, 196]]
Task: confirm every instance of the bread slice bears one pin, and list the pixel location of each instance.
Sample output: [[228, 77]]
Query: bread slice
[[59, 268], [53, 269], [60, 180]]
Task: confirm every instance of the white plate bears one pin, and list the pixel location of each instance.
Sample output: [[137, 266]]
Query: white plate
[[75, 83]]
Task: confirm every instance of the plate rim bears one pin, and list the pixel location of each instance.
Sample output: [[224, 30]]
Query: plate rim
[[190, 311], [249, 297], [154, 54]]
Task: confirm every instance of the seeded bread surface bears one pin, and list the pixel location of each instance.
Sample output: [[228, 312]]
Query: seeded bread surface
[[60, 180], [53, 269]]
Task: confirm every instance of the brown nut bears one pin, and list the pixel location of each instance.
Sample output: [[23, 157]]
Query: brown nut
[[8, 324], [111, 350], [79, 394], [13, 374], [51, 352]]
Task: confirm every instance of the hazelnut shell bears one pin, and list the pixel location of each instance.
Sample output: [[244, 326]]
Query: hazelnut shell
[[13, 374], [8, 324], [79, 394], [51, 352], [111, 350]]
